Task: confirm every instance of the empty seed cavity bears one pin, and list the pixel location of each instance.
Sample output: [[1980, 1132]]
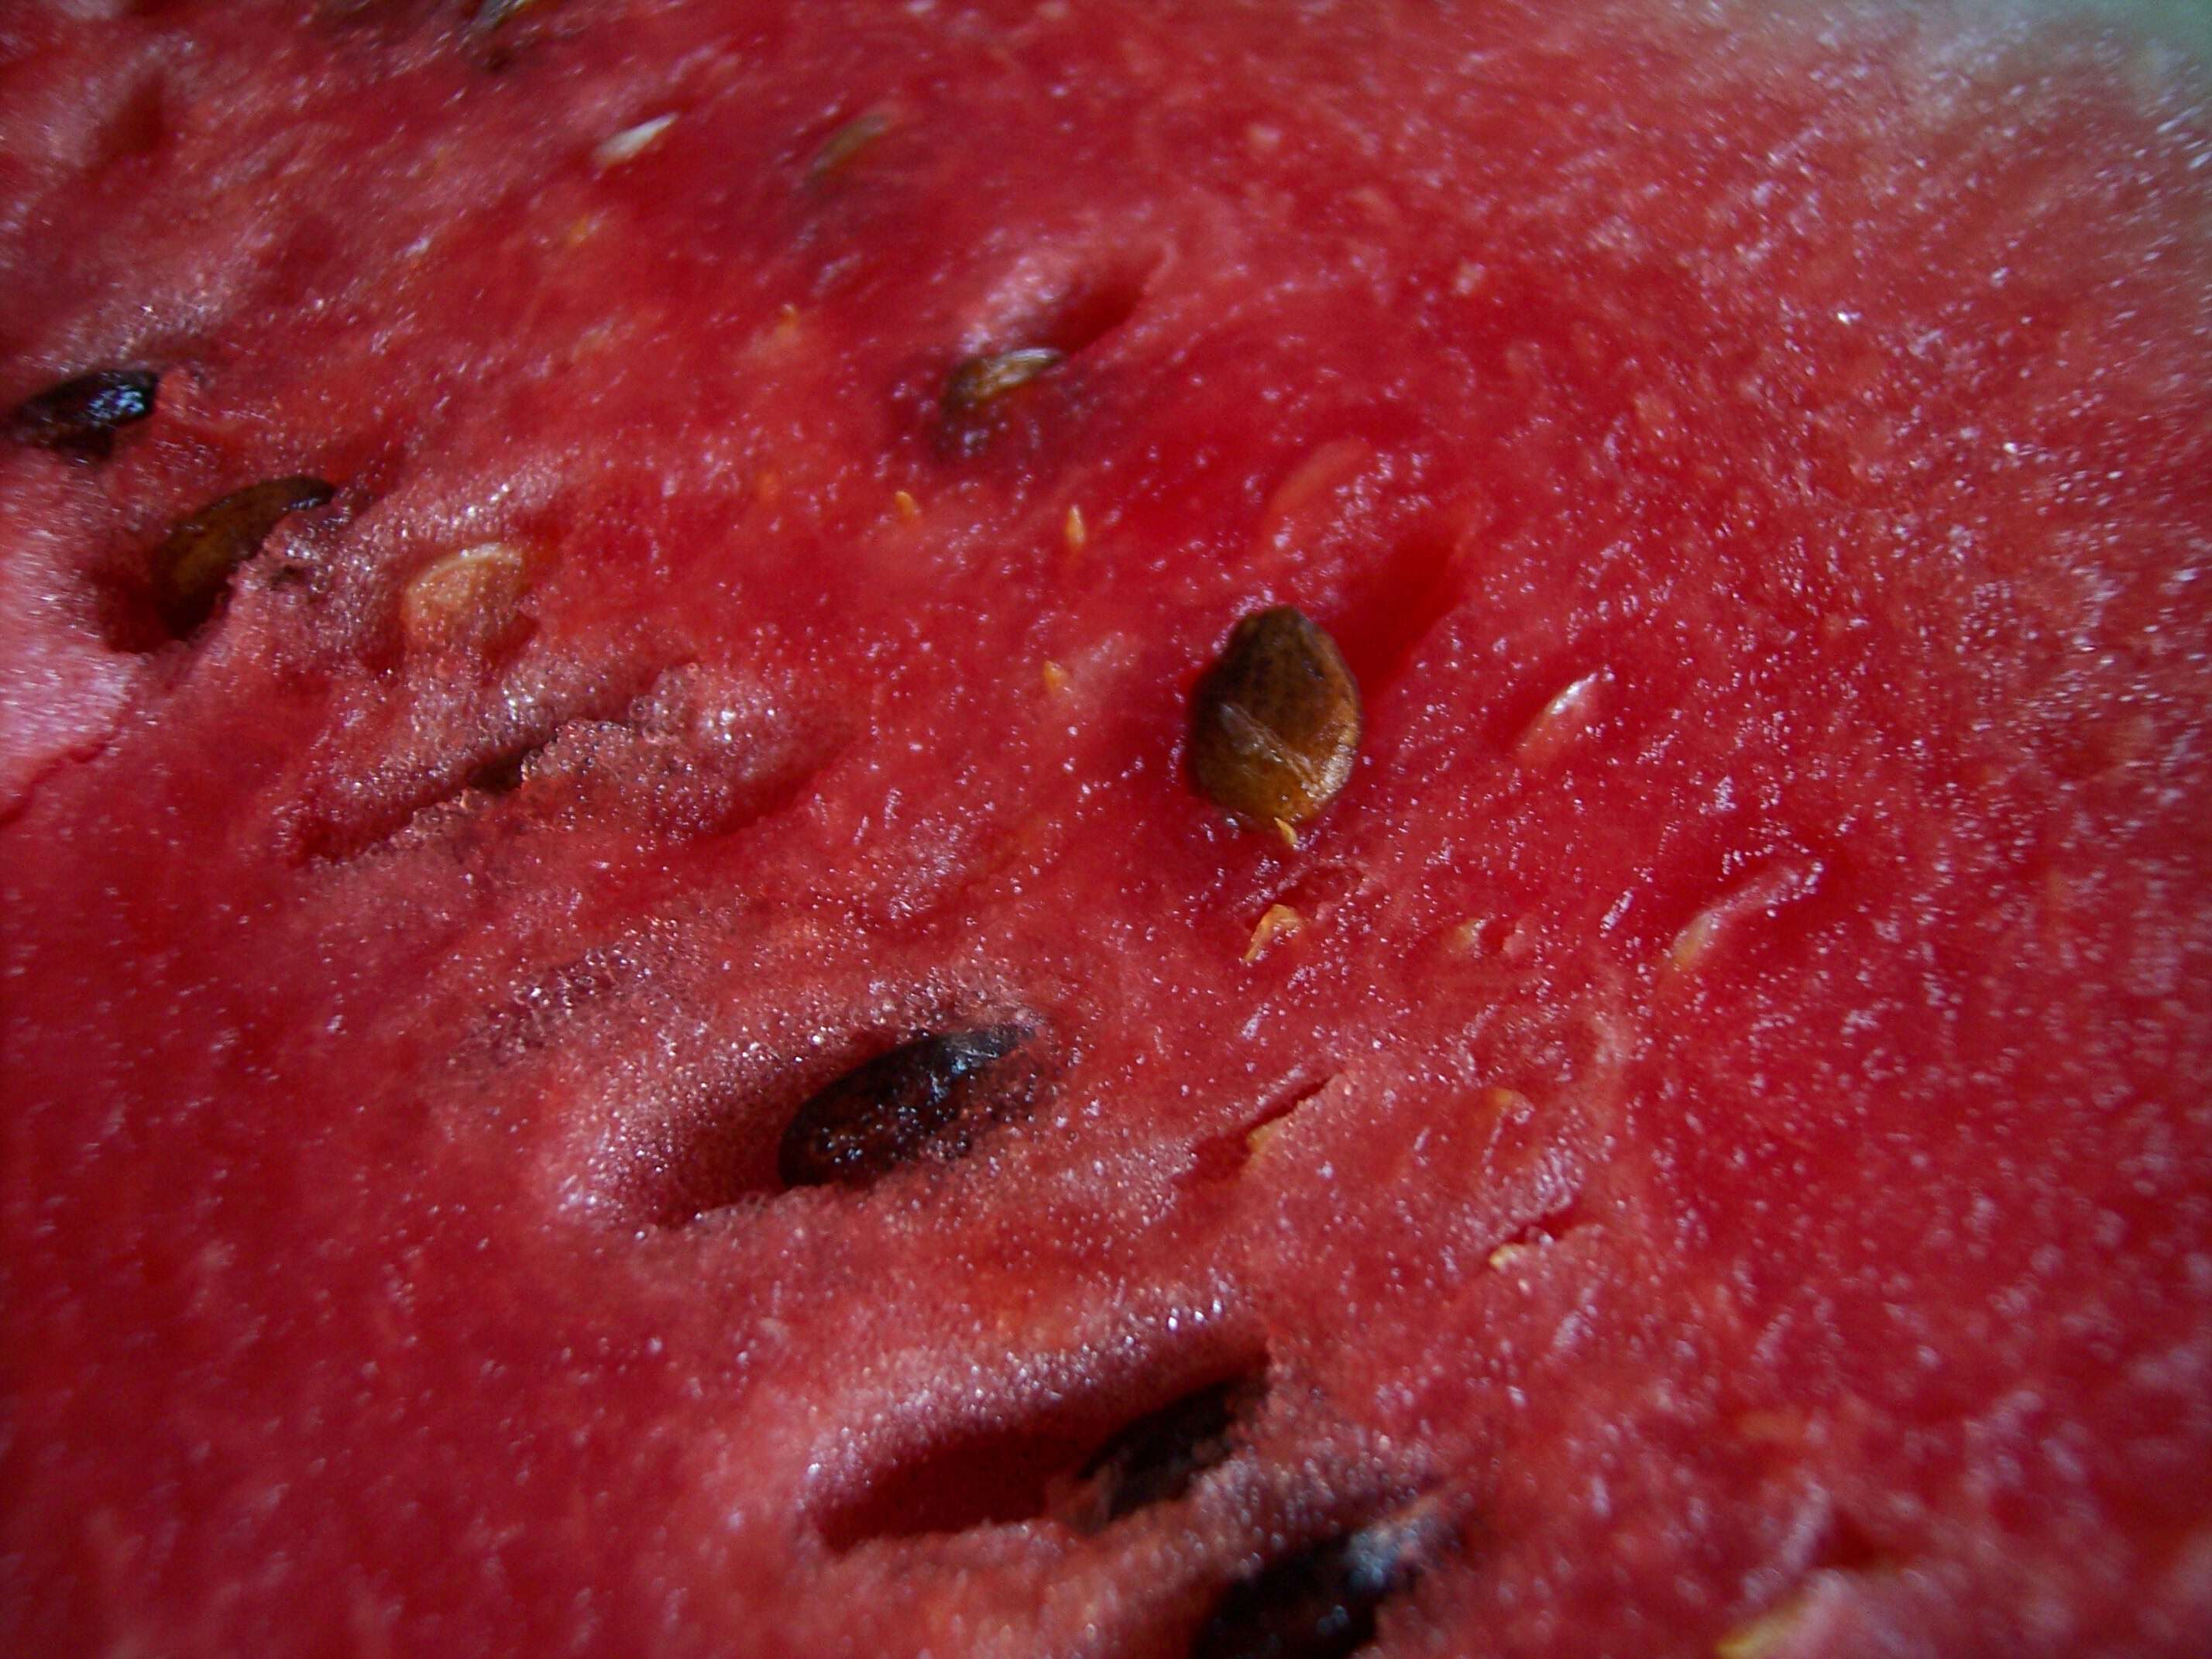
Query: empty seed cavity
[[687, 755], [1527, 1241], [988, 1476], [191, 570], [1097, 304], [928, 1099], [1274, 722], [1320, 893], [137, 123], [1223, 1157], [1409, 590], [81, 417], [503, 774]]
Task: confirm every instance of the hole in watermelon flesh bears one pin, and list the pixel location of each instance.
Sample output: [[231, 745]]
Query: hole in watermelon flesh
[[1096, 305], [1315, 894], [502, 773], [136, 125], [682, 755], [183, 582], [492, 773], [1848, 1547], [1394, 608], [990, 1479], [1549, 1228]]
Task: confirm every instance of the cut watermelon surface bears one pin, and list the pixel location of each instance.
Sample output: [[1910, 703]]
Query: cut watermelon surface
[[642, 1015]]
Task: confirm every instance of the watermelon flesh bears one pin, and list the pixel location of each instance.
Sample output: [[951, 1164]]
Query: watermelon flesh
[[1702, 1145]]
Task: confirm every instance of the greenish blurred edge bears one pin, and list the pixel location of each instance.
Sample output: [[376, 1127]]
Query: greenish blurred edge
[[2185, 23]]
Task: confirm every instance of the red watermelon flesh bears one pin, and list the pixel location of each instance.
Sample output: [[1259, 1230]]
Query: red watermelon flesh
[[1702, 1146]]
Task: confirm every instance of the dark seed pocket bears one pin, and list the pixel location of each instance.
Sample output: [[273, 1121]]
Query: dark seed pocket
[[1079, 1457], [1321, 1601], [928, 1098], [1159, 1457], [192, 567]]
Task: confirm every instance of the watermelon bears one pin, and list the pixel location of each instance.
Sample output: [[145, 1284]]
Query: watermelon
[[1032, 828]]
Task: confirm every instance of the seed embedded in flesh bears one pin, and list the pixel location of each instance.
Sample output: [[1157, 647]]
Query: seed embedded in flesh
[[466, 599], [82, 415], [976, 383], [1318, 1604], [631, 142], [192, 567], [1275, 722], [976, 406], [921, 1099], [843, 147], [1280, 921], [1159, 1456]]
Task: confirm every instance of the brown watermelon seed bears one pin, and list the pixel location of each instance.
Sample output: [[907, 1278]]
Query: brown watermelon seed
[[890, 1110], [81, 415], [843, 147], [972, 409], [1319, 1603], [1157, 1458], [192, 567], [1275, 722]]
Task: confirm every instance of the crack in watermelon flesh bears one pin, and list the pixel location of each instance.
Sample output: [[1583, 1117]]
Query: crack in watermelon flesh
[[1700, 1147]]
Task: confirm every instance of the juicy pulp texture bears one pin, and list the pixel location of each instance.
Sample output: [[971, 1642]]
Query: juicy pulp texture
[[1712, 1122]]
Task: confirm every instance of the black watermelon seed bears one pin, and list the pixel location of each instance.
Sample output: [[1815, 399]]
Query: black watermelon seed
[[922, 1098], [1318, 1604], [1156, 1458], [82, 415]]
